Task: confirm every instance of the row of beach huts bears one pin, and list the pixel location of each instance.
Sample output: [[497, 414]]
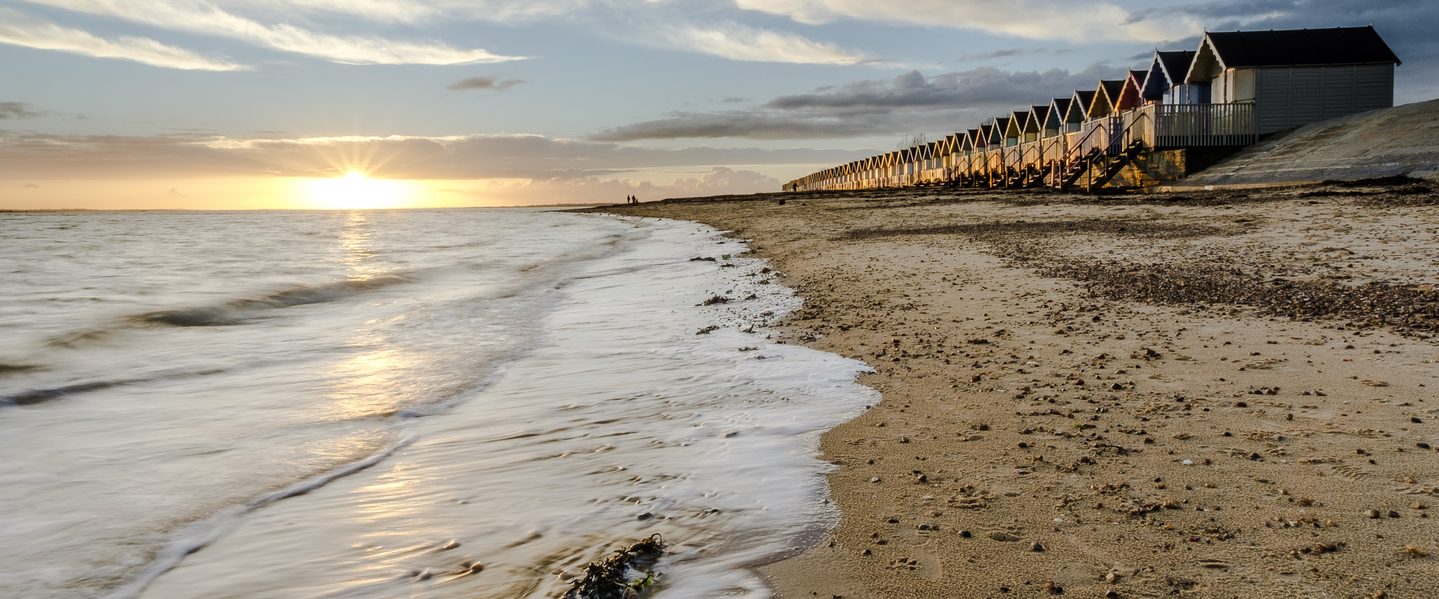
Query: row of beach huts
[[1152, 125]]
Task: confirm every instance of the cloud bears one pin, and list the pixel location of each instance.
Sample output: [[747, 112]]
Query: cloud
[[210, 19], [1010, 53], [754, 124], [1071, 20], [30, 186], [484, 83], [908, 102], [1407, 25], [744, 43], [17, 110], [415, 11], [528, 157], [722, 180], [19, 29]]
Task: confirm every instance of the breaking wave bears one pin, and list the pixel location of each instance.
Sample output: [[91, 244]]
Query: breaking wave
[[238, 311]]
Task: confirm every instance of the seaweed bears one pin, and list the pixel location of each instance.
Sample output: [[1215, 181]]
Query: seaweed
[[628, 574]]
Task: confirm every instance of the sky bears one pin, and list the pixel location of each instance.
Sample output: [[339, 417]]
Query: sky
[[241, 104]]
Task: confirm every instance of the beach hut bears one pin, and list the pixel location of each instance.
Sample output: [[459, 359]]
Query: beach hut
[[1034, 122], [1014, 129], [1164, 83], [1298, 76], [1106, 98], [1054, 117], [997, 128], [1131, 94], [1051, 130], [1078, 110]]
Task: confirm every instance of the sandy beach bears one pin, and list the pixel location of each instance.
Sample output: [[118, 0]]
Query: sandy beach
[[1214, 394]]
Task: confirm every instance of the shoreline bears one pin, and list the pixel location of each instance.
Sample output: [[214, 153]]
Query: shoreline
[[1058, 416]]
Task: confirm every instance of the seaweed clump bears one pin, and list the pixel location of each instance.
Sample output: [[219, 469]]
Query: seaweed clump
[[628, 574]]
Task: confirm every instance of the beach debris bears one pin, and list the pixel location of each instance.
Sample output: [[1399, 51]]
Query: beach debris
[[707, 330], [627, 574], [715, 299]]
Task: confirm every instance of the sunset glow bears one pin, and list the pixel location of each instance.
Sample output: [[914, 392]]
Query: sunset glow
[[355, 190]]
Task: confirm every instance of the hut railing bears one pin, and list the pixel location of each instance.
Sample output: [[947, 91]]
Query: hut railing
[[1201, 125]]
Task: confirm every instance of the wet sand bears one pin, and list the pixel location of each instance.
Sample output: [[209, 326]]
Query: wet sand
[[1219, 394]]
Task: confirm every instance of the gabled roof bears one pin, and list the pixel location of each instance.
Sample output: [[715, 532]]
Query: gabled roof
[[1166, 70], [1132, 93], [1079, 103], [1300, 47], [1034, 123], [1105, 97], [984, 134], [1174, 64], [996, 131], [1016, 123], [1058, 108]]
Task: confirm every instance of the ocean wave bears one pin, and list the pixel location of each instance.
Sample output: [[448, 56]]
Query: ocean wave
[[35, 396], [238, 311], [9, 369], [235, 312], [201, 534]]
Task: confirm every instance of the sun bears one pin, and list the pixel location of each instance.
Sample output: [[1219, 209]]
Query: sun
[[355, 190]]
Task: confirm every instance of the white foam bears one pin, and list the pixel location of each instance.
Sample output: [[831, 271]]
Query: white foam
[[620, 411]]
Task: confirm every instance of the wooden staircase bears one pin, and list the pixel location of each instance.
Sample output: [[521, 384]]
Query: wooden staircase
[[1100, 167]]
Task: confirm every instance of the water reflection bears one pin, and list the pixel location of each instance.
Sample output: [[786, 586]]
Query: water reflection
[[356, 245]]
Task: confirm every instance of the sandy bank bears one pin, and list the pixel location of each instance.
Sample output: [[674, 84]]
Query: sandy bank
[[1381, 143], [1223, 394]]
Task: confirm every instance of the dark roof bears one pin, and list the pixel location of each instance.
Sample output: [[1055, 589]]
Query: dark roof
[[1062, 104], [1296, 47], [1176, 64], [1111, 88], [1086, 97]]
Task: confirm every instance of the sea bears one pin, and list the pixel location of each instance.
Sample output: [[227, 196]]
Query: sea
[[406, 403]]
